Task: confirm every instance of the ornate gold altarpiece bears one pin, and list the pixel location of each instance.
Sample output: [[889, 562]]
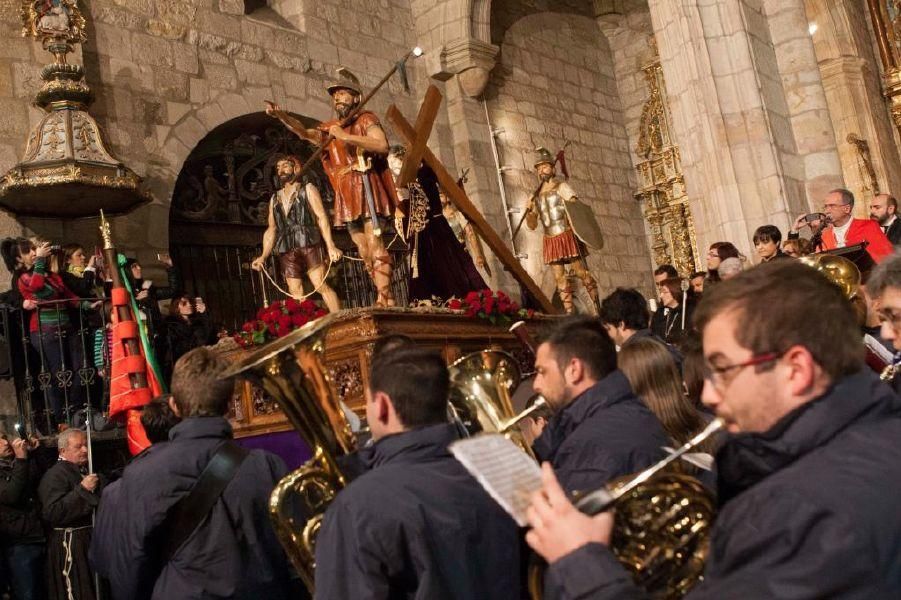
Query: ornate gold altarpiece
[[348, 352], [661, 184]]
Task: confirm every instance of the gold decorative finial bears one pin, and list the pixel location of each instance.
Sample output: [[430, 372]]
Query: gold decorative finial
[[105, 232]]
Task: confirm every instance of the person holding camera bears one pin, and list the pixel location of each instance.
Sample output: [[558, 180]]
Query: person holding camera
[[842, 229], [50, 327], [21, 532], [188, 326]]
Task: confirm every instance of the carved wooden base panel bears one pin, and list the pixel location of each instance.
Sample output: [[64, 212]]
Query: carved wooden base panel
[[348, 353]]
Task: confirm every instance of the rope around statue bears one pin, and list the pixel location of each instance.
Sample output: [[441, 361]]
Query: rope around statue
[[302, 297]]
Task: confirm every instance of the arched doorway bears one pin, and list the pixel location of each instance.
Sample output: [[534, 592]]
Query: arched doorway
[[219, 213]]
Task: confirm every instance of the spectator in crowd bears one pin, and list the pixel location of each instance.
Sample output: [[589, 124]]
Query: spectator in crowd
[[50, 330], [80, 273], [654, 378], [188, 326], [416, 525], [796, 247], [69, 495], [884, 210], [158, 418], [729, 268], [624, 314], [21, 533], [231, 551], [697, 282], [600, 430], [884, 286], [676, 309], [718, 252], [766, 242], [804, 507], [658, 318], [148, 296]]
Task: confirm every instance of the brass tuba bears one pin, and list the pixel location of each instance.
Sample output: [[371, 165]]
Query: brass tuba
[[291, 371], [482, 385]]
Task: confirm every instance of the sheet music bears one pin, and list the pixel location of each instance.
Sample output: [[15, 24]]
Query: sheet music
[[507, 473]]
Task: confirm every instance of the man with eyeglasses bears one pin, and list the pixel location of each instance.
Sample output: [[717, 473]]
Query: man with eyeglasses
[[884, 286], [844, 230], [809, 477]]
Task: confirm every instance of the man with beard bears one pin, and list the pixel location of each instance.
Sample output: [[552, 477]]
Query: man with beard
[[357, 154], [561, 247], [298, 226], [69, 495], [884, 210]]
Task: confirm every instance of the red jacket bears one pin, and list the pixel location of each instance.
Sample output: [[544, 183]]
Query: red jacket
[[862, 230]]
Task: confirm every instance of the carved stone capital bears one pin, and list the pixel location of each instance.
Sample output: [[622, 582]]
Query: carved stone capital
[[471, 60]]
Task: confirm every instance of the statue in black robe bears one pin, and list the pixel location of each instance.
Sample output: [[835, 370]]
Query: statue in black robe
[[67, 508]]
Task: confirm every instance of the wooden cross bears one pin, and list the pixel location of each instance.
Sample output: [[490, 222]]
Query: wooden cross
[[415, 139]]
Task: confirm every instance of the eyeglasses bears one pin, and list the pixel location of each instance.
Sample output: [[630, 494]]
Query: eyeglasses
[[717, 376], [828, 206]]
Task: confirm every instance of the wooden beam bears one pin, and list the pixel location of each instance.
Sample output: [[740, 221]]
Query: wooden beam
[[458, 196], [428, 110]]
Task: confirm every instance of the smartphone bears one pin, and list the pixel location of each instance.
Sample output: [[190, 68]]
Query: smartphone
[[162, 256], [20, 431]]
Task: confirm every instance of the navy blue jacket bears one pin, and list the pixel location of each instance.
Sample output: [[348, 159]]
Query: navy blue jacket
[[233, 554], [416, 525], [809, 509], [605, 433]]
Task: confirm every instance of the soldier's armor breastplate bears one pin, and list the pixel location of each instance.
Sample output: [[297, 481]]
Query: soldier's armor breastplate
[[553, 213]]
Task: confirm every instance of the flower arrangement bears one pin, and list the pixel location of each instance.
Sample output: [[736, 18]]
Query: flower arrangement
[[495, 307], [277, 320]]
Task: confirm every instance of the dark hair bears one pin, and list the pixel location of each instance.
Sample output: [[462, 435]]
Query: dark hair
[[886, 274], [767, 233], [398, 150], [698, 274], [891, 201], [674, 286], [693, 367], [13, 248], [626, 306], [198, 385], [585, 339], [668, 270], [416, 381], [173, 304], [390, 343], [157, 419], [723, 250], [847, 196], [68, 250], [796, 290]]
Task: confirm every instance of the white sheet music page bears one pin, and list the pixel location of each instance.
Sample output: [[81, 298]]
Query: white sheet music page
[[507, 473]]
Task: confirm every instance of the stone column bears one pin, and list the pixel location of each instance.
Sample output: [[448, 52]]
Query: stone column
[[730, 118], [850, 73]]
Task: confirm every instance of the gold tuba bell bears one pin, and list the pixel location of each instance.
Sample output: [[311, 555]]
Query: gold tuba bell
[[482, 386], [291, 371]]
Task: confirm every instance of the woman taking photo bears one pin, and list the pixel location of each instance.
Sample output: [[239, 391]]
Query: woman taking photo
[[188, 326], [50, 328]]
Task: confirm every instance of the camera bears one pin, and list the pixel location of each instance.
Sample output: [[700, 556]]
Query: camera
[[814, 217]]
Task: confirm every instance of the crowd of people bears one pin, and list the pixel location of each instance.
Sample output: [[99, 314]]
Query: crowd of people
[[803, 473], [62, 295]]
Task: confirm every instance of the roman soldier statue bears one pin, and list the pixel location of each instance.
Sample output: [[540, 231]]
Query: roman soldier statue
[[562, 245], [356, 165]]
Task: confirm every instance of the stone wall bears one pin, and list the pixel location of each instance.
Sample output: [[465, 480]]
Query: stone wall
[[555, 83], [167, 72]]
